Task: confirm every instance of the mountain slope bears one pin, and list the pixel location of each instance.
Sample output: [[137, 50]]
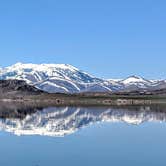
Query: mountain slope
[[34, 73], [50, 77]]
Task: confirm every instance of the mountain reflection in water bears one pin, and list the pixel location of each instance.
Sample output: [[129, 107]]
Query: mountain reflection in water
[[60, 121]]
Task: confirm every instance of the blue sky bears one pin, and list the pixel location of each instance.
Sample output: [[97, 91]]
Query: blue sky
[[110, 39]]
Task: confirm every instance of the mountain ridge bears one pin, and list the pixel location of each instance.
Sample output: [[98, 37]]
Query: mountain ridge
[[65, 78]]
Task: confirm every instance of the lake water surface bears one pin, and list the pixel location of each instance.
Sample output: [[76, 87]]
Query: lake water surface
[[70, 136]]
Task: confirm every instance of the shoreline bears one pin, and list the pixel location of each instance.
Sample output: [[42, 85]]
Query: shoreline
[[78, 100]]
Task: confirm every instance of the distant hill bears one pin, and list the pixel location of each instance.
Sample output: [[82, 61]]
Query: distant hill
[[17, 87]]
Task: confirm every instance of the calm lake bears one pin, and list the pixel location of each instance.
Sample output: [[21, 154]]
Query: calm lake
[[70, 136]]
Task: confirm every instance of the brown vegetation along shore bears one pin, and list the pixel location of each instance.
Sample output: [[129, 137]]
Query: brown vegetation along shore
[[46, 99]]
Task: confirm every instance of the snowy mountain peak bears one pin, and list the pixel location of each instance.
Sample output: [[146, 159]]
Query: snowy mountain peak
[[134, 80], [43, 66]]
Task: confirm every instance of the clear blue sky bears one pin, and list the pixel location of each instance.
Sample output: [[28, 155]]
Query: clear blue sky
[[110, 39]]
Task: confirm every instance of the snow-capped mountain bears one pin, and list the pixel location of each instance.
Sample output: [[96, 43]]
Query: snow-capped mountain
[[50, 77], [135, 80], [68, 79], [63, 121], [135, 83], [55, 77], [34, 73]]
